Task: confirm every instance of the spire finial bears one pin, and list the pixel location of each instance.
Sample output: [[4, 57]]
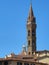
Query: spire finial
[[31, 11], [31, 1]]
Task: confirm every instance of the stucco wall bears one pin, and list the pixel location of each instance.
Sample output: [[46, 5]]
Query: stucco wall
[[45, 60]]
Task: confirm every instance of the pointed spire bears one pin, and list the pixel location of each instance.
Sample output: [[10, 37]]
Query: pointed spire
[[31, 11]]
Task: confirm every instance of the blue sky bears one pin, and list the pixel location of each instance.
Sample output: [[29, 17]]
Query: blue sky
[[13, 19]]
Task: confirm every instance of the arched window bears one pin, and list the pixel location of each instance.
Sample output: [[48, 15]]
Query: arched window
[[29, 43], [33, 42], [28, 32], [29, 53], [33, 32]]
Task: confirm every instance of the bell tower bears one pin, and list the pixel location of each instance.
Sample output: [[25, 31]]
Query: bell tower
[[31, 32]]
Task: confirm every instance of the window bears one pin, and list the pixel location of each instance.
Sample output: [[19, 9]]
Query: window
[[19, 63], [0, 63], [32, 52], [32, 64], [33, 42], [29, 43], [28, 32], [26, 64], [5, 63], [29, 53], [33, 32]]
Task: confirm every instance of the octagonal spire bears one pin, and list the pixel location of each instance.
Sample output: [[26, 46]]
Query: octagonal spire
[[31, 11]]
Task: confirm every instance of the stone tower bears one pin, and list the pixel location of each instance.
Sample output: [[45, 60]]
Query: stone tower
[[31, 32]]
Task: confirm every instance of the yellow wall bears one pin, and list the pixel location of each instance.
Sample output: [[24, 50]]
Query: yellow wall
[[45, 60]]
